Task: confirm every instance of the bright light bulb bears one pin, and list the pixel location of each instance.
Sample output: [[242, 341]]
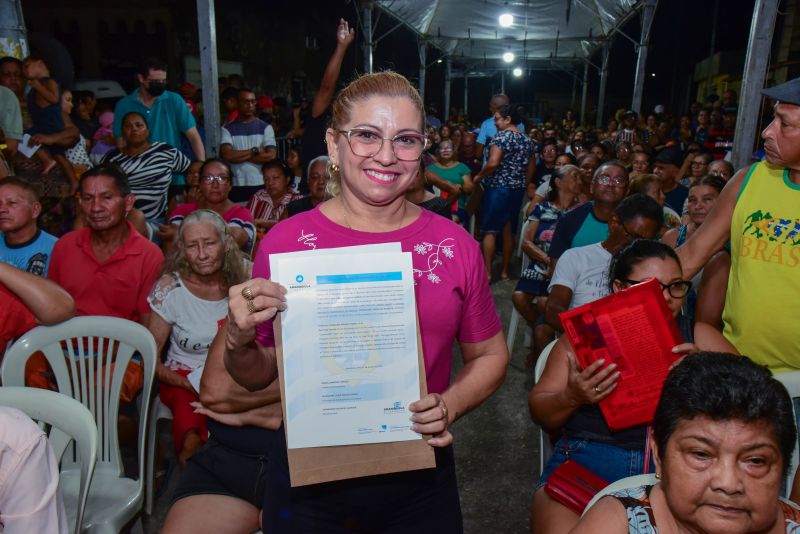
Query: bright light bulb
[[508, 57], [506, 20], [438, 61], [517, 72]]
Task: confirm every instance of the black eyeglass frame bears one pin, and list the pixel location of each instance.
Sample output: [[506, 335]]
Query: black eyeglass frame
[[669, 287]]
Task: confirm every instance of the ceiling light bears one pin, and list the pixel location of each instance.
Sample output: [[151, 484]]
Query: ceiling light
[[508, 57], [517, 72], [506, 20], [438, 61]]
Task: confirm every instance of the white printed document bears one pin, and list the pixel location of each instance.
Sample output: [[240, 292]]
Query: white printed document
[[27, 149], [349, 342]]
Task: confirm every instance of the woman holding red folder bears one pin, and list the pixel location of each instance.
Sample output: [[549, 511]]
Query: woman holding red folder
[[565, 398]]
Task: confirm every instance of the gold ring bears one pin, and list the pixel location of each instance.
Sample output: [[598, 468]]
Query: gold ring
[[247, 293], [251, 306], [443, 406]]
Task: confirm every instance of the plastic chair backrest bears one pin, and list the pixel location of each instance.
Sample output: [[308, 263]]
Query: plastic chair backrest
[[69, 420], [545, 448], [81, 352], [541, 361], [791, 381], [624, 483]]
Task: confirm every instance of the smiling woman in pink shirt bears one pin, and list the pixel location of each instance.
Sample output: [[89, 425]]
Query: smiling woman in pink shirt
[[375, 143]]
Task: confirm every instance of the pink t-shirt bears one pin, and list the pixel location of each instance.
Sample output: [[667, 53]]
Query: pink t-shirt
[[453, 297]]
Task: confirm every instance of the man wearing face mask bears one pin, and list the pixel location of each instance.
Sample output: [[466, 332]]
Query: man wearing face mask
[[167, 114]]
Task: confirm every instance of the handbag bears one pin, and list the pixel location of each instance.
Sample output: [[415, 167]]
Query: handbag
[[573, 485]]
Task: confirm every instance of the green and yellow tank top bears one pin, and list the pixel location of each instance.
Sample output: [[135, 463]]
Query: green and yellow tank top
[[763, 298]]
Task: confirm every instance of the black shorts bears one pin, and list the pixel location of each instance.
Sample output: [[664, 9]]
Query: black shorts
[[223, 468], [425, 500]]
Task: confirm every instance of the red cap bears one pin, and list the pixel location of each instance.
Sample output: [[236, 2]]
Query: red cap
[[264, 102], [187, 90]]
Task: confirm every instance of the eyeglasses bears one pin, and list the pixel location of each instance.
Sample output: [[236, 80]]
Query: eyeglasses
[[367, 143], [632, 235], [211, 179], [605, 179], [698, 163], [677, 289]]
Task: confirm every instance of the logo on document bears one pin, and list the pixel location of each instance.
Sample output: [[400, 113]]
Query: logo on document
[[384, 428], [299, 279], [397, 407]]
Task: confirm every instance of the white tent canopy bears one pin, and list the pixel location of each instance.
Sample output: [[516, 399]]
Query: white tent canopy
[[468, 30]]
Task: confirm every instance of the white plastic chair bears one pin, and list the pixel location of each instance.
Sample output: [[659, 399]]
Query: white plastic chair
[[513, 324], [545, 447], [791, 381], [80, 352], [624, 483], [521, 226], [69, 421], [158, 412]]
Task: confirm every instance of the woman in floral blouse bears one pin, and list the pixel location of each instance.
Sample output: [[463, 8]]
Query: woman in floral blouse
[[508, 170]]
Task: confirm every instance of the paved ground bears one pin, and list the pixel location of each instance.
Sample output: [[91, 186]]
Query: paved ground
[[496, 450]]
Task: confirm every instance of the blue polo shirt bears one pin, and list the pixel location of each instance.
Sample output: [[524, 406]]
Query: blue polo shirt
[[167, 119]]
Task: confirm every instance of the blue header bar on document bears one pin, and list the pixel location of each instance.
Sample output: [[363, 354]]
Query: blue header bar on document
[[357, 278]]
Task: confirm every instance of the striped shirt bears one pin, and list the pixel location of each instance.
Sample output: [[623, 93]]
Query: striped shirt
[[262, 207], [236, 216], [245, 136], [150, 174]]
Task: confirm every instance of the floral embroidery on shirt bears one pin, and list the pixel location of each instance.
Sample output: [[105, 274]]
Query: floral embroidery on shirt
[[307, 239], [434, 253]]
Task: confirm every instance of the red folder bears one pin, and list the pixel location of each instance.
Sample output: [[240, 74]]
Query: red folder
[[634, 329]]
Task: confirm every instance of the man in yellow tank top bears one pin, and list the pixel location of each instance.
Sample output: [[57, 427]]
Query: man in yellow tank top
[[759, 211]]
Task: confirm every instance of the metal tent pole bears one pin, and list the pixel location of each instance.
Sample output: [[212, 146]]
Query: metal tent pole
[[648, 12], [207, 33], [574, 94], [601, 99], [448, 75], [366, 28], [585, 91], [466, 95], [423, 59], [755, 68]]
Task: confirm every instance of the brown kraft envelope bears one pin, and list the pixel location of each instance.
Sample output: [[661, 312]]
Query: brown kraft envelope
[[314, 465]]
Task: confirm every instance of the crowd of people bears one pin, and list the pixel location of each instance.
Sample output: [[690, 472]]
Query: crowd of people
[[163, 235]]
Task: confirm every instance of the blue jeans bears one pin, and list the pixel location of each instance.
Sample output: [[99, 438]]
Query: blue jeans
[[607, 461]]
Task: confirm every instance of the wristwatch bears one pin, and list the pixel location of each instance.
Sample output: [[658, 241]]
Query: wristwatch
[[255, 150]]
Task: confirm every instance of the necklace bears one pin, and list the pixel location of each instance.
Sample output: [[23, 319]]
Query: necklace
[[347, 221]]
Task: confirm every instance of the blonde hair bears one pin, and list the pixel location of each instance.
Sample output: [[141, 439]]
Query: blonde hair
[[233, 268], [641, 183], [386, 83]]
